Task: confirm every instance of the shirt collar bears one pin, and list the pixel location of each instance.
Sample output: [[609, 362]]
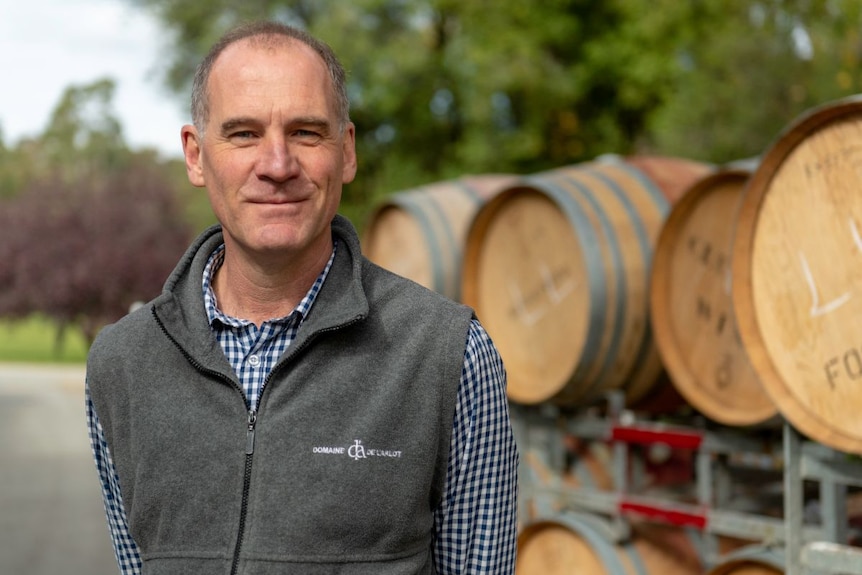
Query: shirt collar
[[213, 312]]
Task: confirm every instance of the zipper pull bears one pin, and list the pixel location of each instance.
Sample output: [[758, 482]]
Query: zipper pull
[[249, 441]]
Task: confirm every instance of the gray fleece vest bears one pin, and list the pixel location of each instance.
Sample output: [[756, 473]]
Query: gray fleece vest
[[346, 457]]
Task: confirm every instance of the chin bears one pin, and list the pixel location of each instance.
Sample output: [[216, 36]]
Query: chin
[[285, 240]]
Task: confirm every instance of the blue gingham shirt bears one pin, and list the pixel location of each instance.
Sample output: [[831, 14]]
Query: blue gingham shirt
[[475, 524]]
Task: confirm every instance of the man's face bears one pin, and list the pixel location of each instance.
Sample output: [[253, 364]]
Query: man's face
[[273, 156]]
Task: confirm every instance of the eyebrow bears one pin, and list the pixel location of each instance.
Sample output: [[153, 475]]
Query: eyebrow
[[316, 121], [233, 123]]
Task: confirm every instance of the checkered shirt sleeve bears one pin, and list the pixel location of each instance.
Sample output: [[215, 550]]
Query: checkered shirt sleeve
[[125, 549], [476, 523]]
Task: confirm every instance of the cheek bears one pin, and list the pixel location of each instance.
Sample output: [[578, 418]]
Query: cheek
[[217, 203], [335, 199], [222, 176]]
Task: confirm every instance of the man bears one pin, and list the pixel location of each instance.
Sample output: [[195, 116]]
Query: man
[[285, 406]]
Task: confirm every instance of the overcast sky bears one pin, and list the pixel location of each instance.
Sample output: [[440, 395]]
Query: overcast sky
[[48, 45]]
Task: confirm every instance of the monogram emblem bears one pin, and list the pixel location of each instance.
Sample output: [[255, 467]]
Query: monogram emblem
[[356, 451]]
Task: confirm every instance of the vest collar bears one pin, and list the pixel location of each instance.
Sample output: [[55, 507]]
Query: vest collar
[[181, 314]]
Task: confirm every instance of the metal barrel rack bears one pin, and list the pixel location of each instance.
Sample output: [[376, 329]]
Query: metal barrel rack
[[811, 536]]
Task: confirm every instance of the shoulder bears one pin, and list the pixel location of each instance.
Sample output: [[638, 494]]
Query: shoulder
[[117, 339], [483, 366], [383, 287], [389, 289]]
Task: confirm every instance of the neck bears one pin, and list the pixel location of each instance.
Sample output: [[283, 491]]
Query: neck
[[259, 289]]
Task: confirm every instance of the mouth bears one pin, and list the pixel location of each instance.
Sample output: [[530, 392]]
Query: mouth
[[280, 200]]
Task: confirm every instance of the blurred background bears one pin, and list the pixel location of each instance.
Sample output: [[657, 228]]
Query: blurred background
[[439, 89], [95, 92]]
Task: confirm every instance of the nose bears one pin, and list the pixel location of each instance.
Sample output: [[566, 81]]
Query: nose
[[276, 162]]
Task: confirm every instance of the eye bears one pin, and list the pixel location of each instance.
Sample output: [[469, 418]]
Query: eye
[[242, 134], [307, 134]]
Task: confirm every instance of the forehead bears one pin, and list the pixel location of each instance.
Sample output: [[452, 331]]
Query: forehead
[[267, 44], [270, 70]]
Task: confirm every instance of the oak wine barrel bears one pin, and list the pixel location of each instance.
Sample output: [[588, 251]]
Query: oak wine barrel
[[557, 269], [673, 176], [691, 306], [753, 560], [797, 273], [572, 544]]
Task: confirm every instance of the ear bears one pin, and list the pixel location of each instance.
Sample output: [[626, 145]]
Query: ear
[[192, 153], [349, 153]]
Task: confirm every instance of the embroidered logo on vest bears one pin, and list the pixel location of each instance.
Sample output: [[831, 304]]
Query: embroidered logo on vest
[[357, 451]]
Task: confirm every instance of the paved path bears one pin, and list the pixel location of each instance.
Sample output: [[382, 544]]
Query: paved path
[[51, 516]]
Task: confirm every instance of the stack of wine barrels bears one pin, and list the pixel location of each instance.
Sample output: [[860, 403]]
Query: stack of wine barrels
[[756, 284], [756, 288], [748, 278], [556, 265], [737, 286]]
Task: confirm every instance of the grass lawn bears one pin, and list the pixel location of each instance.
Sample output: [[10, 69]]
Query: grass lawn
[[35, 340]]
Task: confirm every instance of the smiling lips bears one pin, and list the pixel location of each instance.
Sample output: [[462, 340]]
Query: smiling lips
[[280, 199], [279, 207]]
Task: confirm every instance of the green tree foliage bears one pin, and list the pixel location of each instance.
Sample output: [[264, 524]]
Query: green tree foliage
[[751, 67], [441, 88], [83, 137]]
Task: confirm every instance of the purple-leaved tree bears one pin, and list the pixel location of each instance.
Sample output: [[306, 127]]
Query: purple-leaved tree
[[83, 252]]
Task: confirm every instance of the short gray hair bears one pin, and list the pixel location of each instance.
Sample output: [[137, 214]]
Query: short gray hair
[[267, 31]]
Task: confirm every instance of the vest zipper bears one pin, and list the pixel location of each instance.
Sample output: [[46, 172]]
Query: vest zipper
[[246, 487], [249, 441], [249, 448], [249, 438]]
